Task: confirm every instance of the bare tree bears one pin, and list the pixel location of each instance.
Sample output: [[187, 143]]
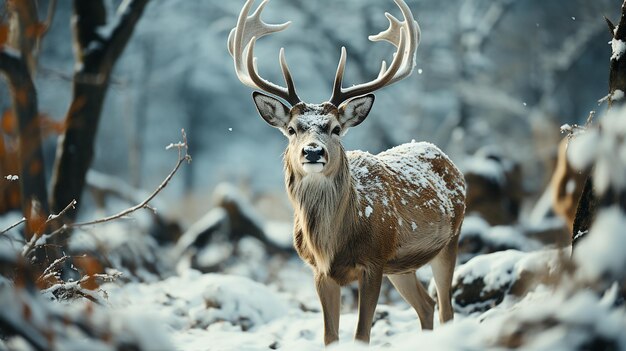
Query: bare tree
[[95, 57], [17, 64], [96, 54]]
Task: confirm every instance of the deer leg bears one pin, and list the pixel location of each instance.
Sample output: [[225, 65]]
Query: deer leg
[[443, 269], [329, 293], [369, 289], [414, 293]]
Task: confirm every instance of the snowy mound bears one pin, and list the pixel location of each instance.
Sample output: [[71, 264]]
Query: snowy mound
[[197, 301]]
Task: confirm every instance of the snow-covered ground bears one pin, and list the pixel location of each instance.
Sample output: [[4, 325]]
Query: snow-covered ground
[[230, 312], [257, 301]]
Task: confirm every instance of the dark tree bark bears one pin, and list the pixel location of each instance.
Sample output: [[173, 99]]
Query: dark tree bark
[[34, 198], [95, 57], [17, 64], [589, 201], [585, 212]]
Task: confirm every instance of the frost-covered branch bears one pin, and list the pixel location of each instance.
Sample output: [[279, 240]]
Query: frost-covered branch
[[31, 244], [183, 156]]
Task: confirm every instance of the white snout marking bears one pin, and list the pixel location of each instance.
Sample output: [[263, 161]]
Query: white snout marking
[[316, 167]]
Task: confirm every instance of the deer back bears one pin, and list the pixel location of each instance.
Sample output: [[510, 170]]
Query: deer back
[[412, 199]]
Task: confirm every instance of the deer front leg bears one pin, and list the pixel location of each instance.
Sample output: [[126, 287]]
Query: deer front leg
[[329, 293], [369, 289]]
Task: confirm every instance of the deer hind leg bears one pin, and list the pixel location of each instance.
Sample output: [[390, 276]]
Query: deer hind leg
[[414, 293], [443, 269], [329, 293], [369, 289]]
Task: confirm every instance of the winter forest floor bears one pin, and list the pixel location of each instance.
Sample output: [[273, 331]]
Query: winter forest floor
[[254, 300]]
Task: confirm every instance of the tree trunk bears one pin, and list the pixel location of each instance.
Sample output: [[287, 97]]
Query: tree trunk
[[34, 197], [96, 57]]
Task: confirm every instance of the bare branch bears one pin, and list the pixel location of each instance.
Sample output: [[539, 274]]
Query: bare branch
[[183, 156], [182, 146], [13, 225], [52, 217], [30, 245], [611, 26], [129, 11], [52, 269], [50, 16]]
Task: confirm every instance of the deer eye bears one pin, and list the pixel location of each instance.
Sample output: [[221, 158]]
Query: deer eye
[[291, 131], [336, 130]]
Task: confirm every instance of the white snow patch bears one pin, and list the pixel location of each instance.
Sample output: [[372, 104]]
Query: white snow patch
[[198, 301], [602, 250], [605, 148], [617, 95], [488, 168], [618, 47], [368, 211]]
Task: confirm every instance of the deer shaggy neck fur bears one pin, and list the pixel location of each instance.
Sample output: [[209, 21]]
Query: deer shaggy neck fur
[[325, 208]]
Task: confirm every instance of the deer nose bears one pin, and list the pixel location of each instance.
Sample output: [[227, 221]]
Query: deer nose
[[313, 152]]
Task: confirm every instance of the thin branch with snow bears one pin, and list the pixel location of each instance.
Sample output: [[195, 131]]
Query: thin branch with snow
[[182, 146], [183, 156], [13, 225]]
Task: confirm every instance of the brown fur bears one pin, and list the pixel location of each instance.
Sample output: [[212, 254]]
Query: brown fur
[[567, 186]]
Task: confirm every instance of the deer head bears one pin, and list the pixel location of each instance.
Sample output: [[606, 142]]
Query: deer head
[[314, 130]]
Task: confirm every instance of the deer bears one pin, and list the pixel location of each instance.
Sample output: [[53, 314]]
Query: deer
[[567, 186], [358, 216]]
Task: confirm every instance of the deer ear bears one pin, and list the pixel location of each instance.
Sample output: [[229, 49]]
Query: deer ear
[[354, 111], [271, 109]]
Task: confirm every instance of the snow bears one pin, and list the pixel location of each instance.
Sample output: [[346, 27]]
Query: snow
[[605, 243], [410, 163], [618, 46], [368, 211], [617, 95], [263, 302], [489, 168], [503, 267], [280, 308], [494, 238], [605, 149]]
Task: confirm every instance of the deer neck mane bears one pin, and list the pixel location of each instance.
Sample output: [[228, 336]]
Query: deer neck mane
[[326, 207]]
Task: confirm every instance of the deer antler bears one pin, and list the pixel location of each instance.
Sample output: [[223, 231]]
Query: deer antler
[[241, 42], [401, 66]]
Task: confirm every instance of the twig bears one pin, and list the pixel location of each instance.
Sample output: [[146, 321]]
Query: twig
[[31, 243], [52, 217], [183, 155], [50, 269], [13, 225], [50, 16], [144, 204]]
